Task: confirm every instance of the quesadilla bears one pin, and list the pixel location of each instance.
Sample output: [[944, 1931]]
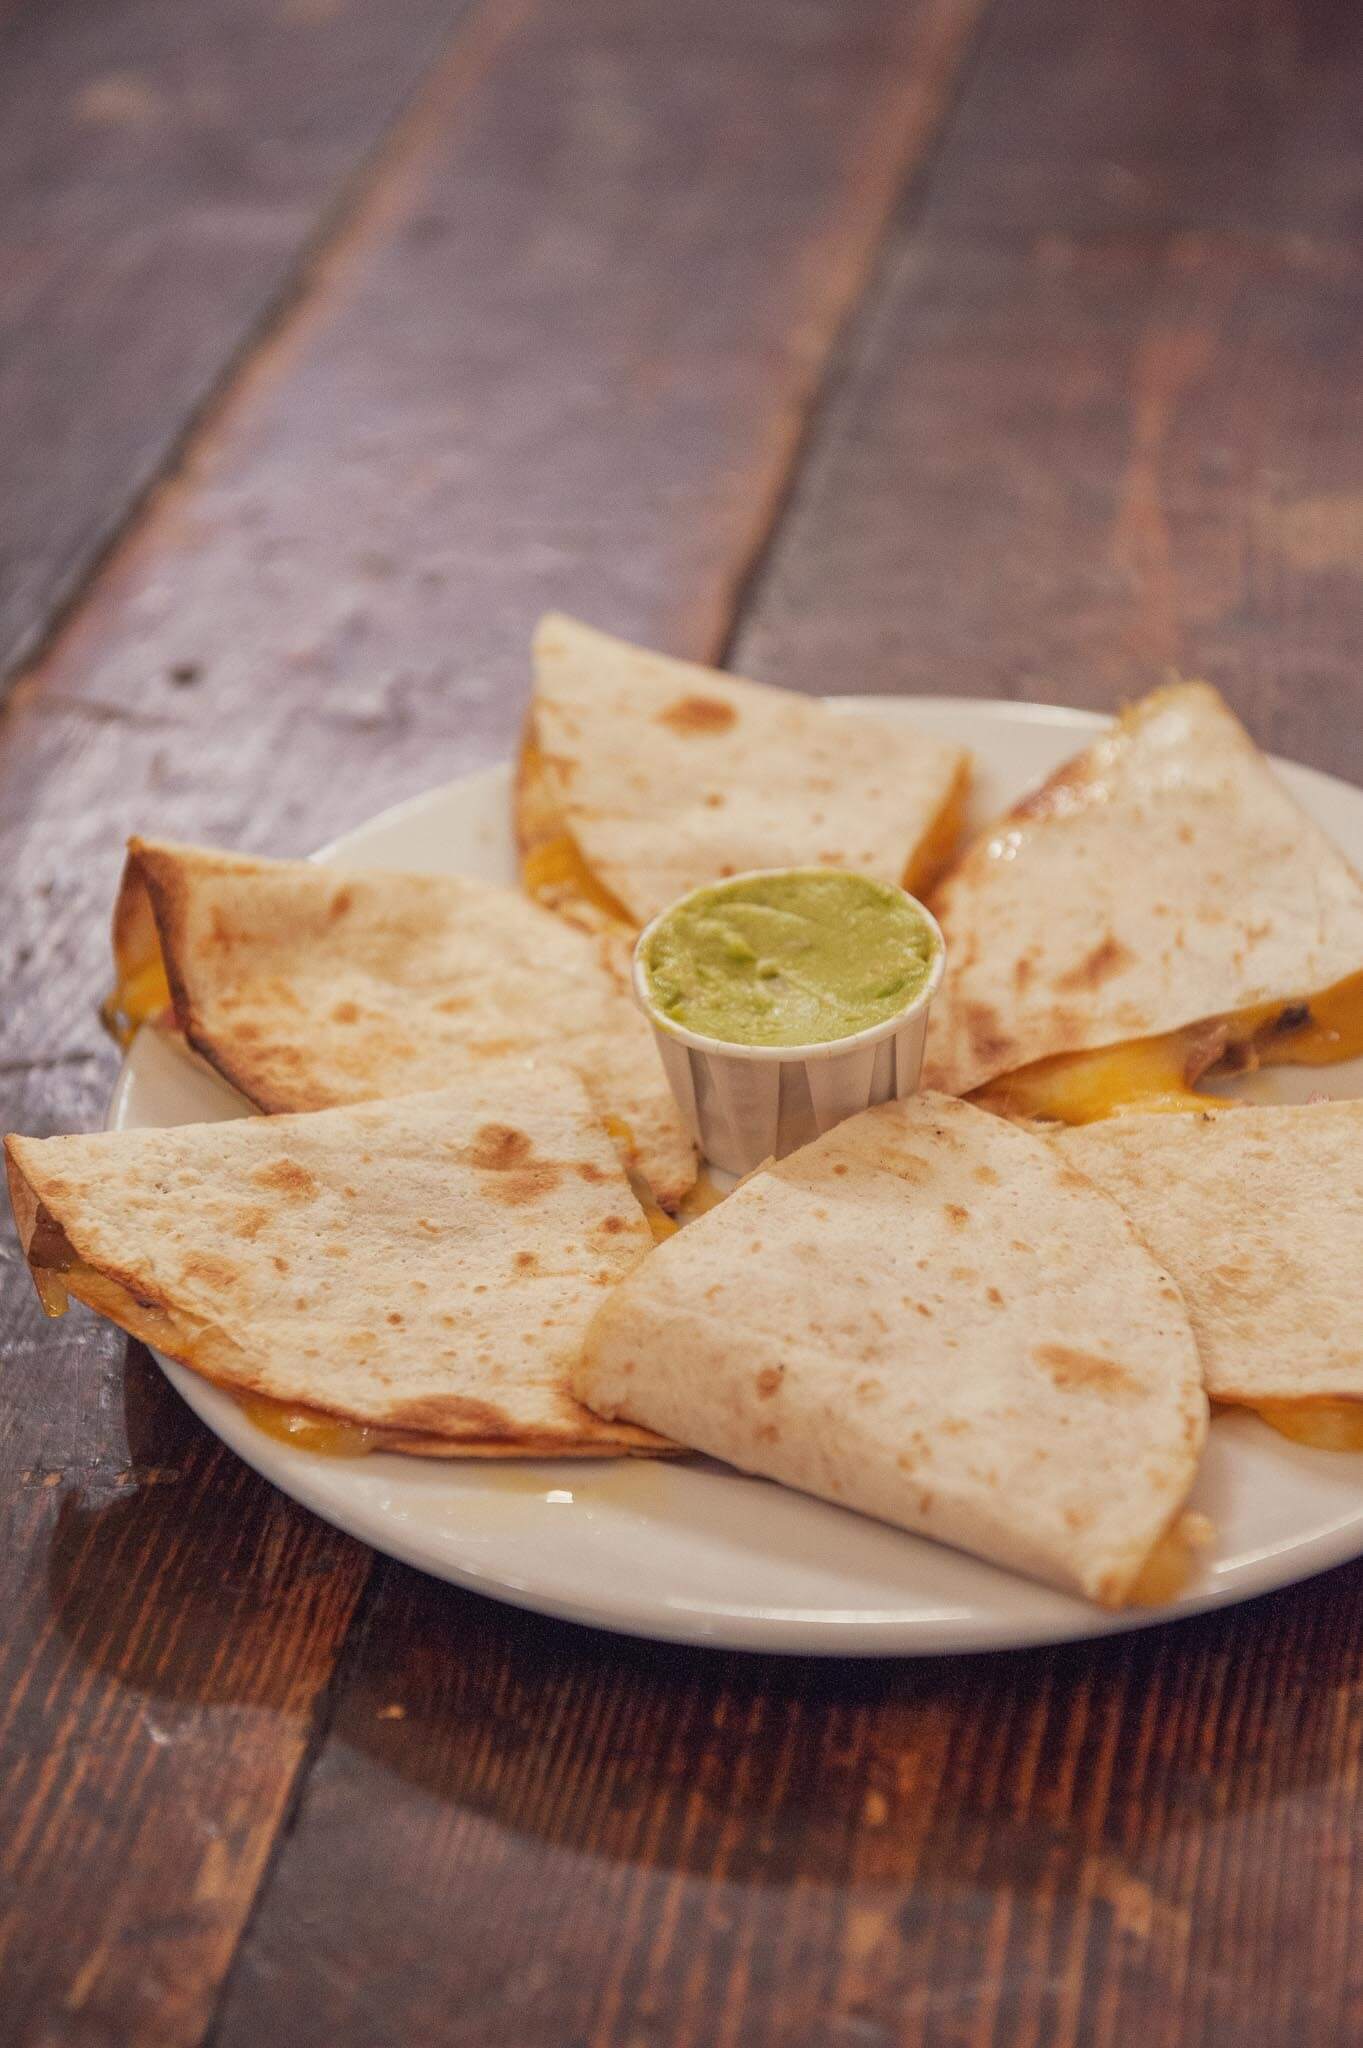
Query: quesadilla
[[306, 988], [643, 777], [928, 1316], [1159, 908], [1258, 1215], [423, 1269]]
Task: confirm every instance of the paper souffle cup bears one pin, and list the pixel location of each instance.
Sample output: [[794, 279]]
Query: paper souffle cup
[[748, 1103]]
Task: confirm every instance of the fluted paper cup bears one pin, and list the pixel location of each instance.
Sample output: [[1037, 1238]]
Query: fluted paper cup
[[748, 1103]]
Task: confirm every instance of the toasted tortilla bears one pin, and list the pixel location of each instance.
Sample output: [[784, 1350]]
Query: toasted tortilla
[[307, 988], [1258, 1214], [644, 777], [423, 1268], [928, 1316], [1162, 893]]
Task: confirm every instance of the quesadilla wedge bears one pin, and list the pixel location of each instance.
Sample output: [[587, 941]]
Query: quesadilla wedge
[[306, 988], [1258, 1215], [1159, 908], [643, 777], [422, 1270], [928, 1316]]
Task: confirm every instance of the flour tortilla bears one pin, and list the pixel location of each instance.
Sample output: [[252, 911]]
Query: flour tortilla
[[307, 987], [927, 1316], [668, 775], [1161, 878], [1258, 1215], [425, 1267]]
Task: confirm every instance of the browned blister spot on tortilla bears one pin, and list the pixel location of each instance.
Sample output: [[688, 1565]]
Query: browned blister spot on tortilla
[[869, 1390], [1022, 971], [1070, 1177], [452, 1415], [345, 1013], [697, 714], [452, 1006], [910, 1166], [341, 902], [986, 1176], [614, 1224], [989, 1038], [1098, 965], [992, 1294], [767, 1433], [587, 1171], [768, 1381], [214, 1272], [1070, 1368], [954, 1213], [249, 1223], [219, 930], [286, 1177], [525, 1260], [496, 1148], [518, 1189], [840, 1168]]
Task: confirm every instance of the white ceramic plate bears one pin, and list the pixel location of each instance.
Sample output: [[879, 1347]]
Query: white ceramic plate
[[694, 1551]]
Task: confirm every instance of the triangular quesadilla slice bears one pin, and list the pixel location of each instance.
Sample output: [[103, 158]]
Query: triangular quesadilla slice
[[1258, 1215], [926, 1315], [643, 777], [421, 1270], [307, 987], [1159, 908]]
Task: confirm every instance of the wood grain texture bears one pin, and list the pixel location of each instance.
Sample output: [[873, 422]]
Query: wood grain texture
[[1158, 116], [161, 174], [549, 357], [560, 1837], [1062, 467]]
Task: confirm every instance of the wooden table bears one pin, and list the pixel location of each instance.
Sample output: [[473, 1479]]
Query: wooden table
[[887, 345]]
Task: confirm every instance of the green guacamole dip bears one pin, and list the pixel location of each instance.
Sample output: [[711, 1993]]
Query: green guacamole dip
[[796, 958]]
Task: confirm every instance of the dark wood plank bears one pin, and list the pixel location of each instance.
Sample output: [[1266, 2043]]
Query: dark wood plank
[[1160, 115], [1064, 467], [159, 184], [551, 358], [560, 1837]]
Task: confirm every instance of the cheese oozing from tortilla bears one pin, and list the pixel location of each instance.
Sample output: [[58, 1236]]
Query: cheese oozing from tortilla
[[1326, 1425], [140, 993], [1151, 1075], [553, 869]]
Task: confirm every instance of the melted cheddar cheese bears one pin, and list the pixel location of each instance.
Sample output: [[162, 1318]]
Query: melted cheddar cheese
[[140, 995], [938, 843], [1325, 1425], [1149, 1075], [307, 1429], [1170, 1564], [553, 869]]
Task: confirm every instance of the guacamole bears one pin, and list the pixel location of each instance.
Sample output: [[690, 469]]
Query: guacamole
[[795, 958]]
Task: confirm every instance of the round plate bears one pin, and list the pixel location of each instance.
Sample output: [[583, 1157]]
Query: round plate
[[694, 1551]]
